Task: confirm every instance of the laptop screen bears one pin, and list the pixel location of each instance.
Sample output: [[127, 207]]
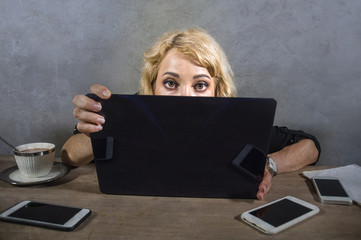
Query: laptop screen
[[183, 146]]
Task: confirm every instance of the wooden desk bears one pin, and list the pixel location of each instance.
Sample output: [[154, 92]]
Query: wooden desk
[[134, 217]]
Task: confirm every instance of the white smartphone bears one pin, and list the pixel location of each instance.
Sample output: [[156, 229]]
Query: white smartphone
[[331, 190], [278, 215], [46, 215]]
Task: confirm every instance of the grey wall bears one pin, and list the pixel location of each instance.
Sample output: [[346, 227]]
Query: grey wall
[[306, 54]]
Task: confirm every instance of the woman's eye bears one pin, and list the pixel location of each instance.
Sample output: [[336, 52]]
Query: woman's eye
[[201, 86], [170, 84]]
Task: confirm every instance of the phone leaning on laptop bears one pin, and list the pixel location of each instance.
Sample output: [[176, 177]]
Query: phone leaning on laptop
[[46, 215], [278, 215], [331, 190]]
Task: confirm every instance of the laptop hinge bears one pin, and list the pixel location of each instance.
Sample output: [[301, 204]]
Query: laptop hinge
[[246, 160], [103, 148]]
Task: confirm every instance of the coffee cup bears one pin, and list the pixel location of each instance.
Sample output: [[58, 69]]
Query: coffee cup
[[35, 159]]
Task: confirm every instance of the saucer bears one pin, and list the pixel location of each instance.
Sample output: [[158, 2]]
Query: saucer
[[12, 175]]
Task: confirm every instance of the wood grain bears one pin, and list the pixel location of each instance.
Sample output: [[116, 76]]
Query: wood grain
[[137, 217]]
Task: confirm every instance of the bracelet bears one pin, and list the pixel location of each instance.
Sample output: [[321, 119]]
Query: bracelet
[[76, 131]]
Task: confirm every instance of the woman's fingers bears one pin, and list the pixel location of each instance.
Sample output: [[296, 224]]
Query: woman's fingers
[[84, 103], [88, 128], [89, 117], [265, 185], [86, 110], [100, 91]]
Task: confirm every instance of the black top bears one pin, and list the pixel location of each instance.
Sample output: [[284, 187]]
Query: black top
[[282, 137]]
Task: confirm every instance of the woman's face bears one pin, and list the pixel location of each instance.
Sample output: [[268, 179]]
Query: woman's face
[[179, 75]]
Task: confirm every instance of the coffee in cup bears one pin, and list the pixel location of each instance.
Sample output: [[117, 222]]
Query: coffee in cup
[[35, 159]]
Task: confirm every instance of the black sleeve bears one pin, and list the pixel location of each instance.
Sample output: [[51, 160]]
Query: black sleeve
[[282, 137]]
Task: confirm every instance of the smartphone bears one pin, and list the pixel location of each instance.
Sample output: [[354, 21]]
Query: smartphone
[[331, 190], [278, 215], [46, 215]]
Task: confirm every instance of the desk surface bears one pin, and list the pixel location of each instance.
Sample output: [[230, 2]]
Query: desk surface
[[135, 217]]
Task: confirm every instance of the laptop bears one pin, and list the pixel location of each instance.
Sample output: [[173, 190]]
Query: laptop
[[183, 146]]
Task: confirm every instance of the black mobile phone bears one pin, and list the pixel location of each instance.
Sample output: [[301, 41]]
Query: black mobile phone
[[331, 190], [46, 215]]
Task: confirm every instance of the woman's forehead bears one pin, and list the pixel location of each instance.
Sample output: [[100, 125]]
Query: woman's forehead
[[177, 60]]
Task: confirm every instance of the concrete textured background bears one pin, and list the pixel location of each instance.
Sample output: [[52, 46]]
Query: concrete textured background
[[305, 54]]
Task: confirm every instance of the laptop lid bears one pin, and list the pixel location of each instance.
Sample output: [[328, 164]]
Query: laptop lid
[[183, 146]]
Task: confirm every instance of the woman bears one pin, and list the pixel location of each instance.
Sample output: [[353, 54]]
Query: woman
[[188, 63]]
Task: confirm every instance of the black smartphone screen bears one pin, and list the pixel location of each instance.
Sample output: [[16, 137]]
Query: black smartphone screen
[[330, 187], [280, 212], [45, 213]]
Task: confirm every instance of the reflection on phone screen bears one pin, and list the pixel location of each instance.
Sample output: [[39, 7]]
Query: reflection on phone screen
[[45, 213], [280, 212], [330, 187]]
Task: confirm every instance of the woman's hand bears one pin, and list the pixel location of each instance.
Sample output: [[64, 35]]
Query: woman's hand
[[265, 185], [86, 110]]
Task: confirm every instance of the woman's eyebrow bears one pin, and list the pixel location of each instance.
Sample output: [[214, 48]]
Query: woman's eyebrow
[[200, 76], [172, 74]]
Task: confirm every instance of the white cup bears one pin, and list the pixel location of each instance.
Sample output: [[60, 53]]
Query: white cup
[[35, 159]]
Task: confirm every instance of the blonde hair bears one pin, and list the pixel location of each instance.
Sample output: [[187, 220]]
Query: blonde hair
[[200, 46]]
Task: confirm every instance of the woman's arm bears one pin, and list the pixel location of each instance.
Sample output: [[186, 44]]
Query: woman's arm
[[296, 156], [290, 158], [77, 150]]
